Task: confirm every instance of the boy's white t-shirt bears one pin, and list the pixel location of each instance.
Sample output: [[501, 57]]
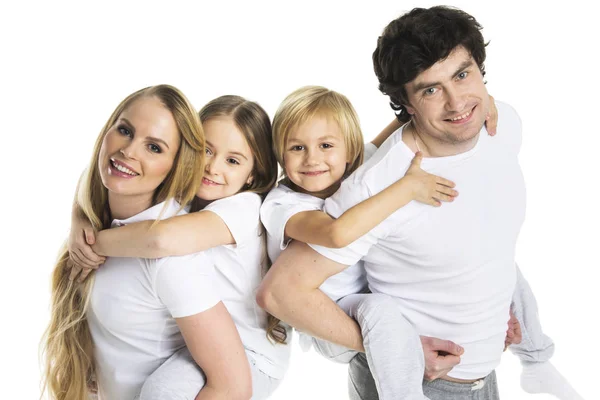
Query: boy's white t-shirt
[[281, 204], [239, 271], [133, 306], [452, 268]]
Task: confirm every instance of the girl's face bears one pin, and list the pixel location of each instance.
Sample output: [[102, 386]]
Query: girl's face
[[229, 160], [315, 156], [138, 151]]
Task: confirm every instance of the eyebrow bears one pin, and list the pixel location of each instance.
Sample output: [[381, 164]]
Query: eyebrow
[[326, 137], [423, 85], [152, 138], [237, 153]]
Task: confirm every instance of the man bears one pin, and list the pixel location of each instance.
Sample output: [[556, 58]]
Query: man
[[451, 270]]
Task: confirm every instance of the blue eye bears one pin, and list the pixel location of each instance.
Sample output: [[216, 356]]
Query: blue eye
[[154, 148], [124, 131], [430, 91], [463, 75]]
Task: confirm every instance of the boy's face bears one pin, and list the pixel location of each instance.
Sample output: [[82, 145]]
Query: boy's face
[[315, 156], [449, 101]]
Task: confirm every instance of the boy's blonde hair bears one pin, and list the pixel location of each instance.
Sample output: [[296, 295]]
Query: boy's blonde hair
[[308, 102]]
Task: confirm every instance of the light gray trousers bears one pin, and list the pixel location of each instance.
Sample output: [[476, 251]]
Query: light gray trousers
[[180, 378], [394, 353]]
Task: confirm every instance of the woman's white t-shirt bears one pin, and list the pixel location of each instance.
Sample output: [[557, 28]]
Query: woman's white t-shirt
[[133, 306]]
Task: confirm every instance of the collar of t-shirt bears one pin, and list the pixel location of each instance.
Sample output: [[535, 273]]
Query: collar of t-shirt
[[171, 207]]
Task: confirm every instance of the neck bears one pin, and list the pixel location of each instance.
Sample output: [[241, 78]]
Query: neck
[[415, 138], [123, 206], [323, 194]]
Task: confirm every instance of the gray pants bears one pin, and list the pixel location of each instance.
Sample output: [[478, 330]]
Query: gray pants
[[396, 360], [180, 378], [362, 387], [392, 346]]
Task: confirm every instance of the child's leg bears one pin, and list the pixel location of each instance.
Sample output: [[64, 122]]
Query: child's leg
[[392, 346], [178, 378], [536, 349]]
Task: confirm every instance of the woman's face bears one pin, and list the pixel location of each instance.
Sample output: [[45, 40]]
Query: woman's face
[[138, 151], [229, 160]]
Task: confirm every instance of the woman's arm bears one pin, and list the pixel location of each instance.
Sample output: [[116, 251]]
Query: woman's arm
[[214, 342], [175, 236], [316, 227]]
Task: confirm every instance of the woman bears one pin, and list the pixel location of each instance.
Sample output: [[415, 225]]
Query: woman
[[139, 312]]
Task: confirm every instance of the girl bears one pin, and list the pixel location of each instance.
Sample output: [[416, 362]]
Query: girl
[[135, 313], [317, 142], [240, 169]]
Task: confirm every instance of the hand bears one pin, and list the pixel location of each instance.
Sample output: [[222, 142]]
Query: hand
[[513, 333], [440, 356], [427, 188], [491, 119], [81, 256]]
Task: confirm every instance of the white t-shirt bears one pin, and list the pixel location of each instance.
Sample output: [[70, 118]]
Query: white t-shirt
[[132, 308], [452, 268], [239, 271], [281, 204]]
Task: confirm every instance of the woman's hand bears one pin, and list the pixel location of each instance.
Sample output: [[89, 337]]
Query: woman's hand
[[427, 188], [81, 256]]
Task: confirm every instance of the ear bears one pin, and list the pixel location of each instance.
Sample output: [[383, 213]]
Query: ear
[[250, 180], [409, 109]]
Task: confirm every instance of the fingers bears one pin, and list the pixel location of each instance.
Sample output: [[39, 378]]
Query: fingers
[[83, 262], [84, 274], [444, 182], [417, 159], [491, 120], [518, 334], [75, 270], [90, 238], [446, 346]]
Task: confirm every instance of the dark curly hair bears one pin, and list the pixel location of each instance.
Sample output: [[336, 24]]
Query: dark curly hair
[[418, 39]]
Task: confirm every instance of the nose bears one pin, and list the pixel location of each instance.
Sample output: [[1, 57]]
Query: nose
[[129, 151], [211, 166], [313, 157], [455, 100]]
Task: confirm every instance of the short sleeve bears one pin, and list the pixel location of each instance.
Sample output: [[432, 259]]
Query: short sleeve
[[370, 149], [350, 193], [186, 284], [241, 214], [281, 205]]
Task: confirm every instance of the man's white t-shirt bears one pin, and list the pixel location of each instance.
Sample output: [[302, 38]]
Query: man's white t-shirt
[[133, 306], [239, 271], [451, 268]]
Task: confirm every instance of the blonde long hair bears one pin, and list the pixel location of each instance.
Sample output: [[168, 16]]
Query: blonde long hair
[[68, 347]]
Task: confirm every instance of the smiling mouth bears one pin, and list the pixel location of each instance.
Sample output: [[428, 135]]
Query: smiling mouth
[[209, 182], [313, 173], [461, 118], [116, 165]]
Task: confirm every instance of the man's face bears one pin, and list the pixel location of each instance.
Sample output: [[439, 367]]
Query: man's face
[[449, 101]]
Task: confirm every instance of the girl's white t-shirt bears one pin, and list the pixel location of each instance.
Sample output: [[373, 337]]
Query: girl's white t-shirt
[[239, 271]]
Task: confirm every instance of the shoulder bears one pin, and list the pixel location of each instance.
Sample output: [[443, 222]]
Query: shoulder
[[509, 131], [283, 195]]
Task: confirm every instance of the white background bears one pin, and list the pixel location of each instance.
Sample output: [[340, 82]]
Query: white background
[[64, 67]]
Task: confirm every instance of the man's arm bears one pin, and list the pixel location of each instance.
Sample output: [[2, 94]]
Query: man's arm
[[290, 292]]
